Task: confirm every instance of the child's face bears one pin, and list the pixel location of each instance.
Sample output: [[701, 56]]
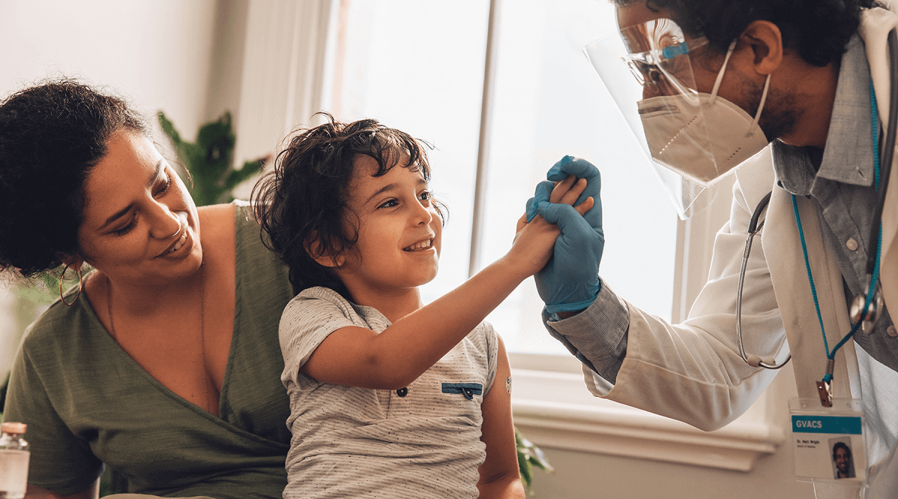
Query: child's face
[[399, 230]]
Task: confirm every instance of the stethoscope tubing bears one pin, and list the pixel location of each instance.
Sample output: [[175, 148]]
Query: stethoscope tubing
[[754, 228]]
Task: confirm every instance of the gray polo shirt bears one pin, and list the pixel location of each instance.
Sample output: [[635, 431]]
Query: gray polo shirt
[[421, 441]]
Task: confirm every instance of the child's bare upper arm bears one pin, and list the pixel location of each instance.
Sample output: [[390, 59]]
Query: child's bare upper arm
[[499, 473]]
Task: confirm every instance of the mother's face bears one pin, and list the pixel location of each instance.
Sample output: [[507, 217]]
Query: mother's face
[[140, 224]]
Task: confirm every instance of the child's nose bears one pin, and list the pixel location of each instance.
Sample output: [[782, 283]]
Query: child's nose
[[423, 215]]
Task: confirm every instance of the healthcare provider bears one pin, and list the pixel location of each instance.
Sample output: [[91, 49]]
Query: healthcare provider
[[715, 82]]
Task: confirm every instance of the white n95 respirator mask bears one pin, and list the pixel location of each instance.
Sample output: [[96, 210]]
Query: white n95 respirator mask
[[698, 137], [701, 142]]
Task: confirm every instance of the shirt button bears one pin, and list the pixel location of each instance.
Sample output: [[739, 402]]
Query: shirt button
[[892, 331], [851, 244], [402, 392]]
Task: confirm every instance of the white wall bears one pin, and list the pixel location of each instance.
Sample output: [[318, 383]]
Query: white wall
[[157, 53]]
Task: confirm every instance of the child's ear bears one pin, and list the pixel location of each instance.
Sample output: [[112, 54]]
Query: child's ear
[[320, 255]]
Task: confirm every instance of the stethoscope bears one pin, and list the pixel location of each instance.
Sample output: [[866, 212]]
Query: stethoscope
[[867, 307]]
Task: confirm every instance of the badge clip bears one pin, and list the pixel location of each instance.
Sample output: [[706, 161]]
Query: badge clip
[[825, 387], [825, 390]]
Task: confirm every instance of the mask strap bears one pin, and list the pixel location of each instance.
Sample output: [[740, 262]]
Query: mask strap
[[722, 71], [761, 105]]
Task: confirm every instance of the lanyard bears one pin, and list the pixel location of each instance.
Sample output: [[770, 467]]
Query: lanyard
[[825, 386]]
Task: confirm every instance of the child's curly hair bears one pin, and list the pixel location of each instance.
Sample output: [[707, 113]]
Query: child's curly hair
[[301, 204]]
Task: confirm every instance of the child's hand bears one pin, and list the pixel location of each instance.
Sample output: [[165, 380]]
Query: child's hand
[[534, 241]]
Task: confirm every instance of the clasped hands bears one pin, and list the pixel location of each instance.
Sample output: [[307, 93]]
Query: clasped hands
[[570, 280]]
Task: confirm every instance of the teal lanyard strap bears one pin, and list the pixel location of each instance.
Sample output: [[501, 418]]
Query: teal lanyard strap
[[807, 264], [874, 277]]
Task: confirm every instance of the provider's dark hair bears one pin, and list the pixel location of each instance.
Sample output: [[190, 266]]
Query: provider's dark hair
[[301, 204], [818, 30], [51, 136]]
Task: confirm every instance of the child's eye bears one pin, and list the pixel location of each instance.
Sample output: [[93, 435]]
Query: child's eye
[[426, 196], [388, 204]]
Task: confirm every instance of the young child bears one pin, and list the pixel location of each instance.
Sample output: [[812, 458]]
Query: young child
[[389, 398]]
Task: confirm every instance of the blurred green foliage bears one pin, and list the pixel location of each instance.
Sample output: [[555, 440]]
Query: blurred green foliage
[[44, 289], [530, 456], [209, 160]]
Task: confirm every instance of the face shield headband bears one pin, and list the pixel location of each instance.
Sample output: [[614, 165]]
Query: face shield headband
[[693, 139]]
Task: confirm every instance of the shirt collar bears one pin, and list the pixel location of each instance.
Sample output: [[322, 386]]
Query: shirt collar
[[848, 154]]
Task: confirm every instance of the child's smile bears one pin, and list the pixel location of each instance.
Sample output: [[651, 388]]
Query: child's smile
[[421, 245]]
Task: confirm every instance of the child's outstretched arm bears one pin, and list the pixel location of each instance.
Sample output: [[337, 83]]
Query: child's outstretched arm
[[500, 475], [355, 356]]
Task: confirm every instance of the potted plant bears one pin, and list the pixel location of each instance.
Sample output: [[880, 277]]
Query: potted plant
[[209, 160]]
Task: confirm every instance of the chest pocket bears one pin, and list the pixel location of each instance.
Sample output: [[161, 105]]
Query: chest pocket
[[466, 389]]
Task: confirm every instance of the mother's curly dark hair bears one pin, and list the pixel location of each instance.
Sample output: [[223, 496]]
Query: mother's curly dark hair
[[51, 136], [303, 199], [818, 30]]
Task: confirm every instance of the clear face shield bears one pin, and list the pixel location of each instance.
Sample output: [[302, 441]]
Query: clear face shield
[[693, 139]]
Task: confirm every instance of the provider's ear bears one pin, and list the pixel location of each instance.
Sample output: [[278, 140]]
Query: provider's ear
[[766, 42], [322, 256]]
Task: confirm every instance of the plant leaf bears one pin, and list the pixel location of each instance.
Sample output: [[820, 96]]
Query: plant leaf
[[526, 471], [250, 168]]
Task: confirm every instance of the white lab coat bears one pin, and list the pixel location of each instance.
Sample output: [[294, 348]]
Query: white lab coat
[[693, 371]]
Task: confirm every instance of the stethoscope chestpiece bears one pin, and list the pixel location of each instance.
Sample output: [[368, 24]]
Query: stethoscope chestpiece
[[856, 313]]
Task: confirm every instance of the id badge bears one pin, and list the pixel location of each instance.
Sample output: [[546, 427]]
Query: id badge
[[828, 442]]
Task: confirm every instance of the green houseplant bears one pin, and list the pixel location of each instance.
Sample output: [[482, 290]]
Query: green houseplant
[[530, 456], [209, 160]]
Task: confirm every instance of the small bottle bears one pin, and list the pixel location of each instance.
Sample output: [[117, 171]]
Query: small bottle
[[14, 457]]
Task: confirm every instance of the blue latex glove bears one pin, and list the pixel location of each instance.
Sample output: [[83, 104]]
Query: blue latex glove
[[570, 280], [580, 168]]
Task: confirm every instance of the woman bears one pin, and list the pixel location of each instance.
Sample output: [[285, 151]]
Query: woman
[[163, 363]]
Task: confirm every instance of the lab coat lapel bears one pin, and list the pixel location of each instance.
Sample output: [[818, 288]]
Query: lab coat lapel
[[793, 292], [874, 29], [888, 272]]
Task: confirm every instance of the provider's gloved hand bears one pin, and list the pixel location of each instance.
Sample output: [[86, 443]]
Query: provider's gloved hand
[[570, 280]]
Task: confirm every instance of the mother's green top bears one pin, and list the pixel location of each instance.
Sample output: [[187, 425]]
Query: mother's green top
[[87, 402]]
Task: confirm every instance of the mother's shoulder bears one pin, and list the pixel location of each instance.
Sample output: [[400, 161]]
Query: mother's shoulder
[[217, 214], [217, 223]]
